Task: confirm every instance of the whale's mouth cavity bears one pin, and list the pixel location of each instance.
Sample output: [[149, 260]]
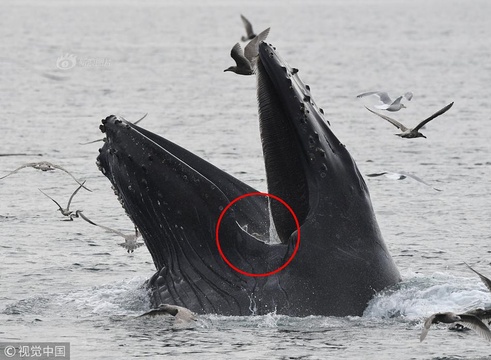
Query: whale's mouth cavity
[[284, 156]]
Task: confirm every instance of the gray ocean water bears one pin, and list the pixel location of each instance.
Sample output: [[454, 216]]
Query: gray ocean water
[[69, 281]]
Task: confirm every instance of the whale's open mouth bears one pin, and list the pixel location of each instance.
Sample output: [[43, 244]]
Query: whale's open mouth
[[175, 199]]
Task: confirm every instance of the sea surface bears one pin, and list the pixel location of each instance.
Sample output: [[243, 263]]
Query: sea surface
[[70, 281]]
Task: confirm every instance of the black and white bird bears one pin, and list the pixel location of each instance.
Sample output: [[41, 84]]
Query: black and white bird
[[412, 133]]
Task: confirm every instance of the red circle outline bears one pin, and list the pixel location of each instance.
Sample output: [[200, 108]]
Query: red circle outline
[[297, 245]]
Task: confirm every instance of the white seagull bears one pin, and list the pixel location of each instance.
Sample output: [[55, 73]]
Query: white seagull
[[386, 103]]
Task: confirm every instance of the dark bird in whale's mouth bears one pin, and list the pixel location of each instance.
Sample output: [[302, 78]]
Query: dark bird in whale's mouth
[[175, 199]]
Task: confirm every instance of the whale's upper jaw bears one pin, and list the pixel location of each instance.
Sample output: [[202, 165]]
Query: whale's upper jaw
[[318, 163]]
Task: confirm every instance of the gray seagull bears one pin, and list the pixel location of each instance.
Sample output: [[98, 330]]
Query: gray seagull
[[245, 60], [412, 133], [130, 240], [65, 211], [386, 103], [44, 166], [468, 320], [248, 28]]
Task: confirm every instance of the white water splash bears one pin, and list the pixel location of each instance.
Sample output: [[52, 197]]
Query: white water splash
[[121, 298], [419, 296]]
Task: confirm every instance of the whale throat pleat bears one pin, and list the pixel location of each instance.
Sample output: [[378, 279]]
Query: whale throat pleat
[[282, 157]]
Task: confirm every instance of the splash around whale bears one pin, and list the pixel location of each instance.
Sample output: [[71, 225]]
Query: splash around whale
[[175, 199]]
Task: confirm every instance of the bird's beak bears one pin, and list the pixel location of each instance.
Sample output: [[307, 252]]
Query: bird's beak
[[227, 70], [423, 136]]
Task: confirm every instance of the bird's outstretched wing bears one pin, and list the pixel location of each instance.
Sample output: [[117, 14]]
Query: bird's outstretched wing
[[137, 121], [19, 168], [473, 322], [69, 173], [247, 26], [418, 179], [49, 197], [101, 226], [438, 113], [71, 197], [483, 278], [237, 54], [251, 50], [397, 101], [482, 314], [396, 123], [382, 95], [91, 142], [140, 119], [426, 327]]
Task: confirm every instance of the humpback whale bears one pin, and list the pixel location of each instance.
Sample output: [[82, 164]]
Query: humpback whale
[[175, 199]]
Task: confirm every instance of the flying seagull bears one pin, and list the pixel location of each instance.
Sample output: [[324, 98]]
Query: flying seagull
[[470, 321], [386, 102], [248, 28], [401, 176], [94, 141], [65, 211], [44, 166], [245, 60], [179, 312], [130, 241], [412, 133]]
